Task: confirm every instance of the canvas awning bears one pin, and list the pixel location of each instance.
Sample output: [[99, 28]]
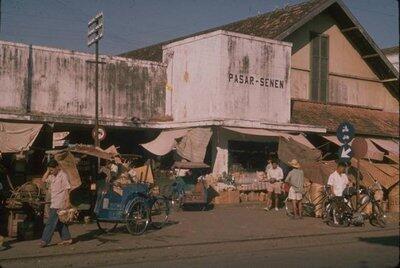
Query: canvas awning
[[194, 144], [165, 142], [17, 137], [388, 145], [269, 133], [372, 153]]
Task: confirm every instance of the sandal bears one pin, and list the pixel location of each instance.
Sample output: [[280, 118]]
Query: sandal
[[43, 244], [65, 242]]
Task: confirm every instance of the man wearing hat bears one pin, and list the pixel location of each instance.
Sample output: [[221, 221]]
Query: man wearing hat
[[295, 178]]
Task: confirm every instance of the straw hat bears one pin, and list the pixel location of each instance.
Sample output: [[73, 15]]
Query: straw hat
[[294, 163]]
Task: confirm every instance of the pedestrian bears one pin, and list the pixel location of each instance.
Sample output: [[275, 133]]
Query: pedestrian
[[269, 165], [59, 200], [338, 180], [295, 178], [274, 184]]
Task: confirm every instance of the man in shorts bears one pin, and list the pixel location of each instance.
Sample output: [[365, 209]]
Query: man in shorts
[[295, 178], [274, 184]]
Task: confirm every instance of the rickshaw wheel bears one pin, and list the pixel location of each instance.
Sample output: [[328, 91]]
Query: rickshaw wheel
[[159, 212], [106, 227], [138, 217]]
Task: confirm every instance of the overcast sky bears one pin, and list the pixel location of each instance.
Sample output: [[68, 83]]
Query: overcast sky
[[131, 24]]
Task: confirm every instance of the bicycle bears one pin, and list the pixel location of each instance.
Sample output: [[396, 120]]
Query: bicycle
[[341, 212], [309, 206]]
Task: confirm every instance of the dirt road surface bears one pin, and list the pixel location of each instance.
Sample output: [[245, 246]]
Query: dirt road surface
[[228, 236]]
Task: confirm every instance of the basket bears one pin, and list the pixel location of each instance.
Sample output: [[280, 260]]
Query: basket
[[67, 216]]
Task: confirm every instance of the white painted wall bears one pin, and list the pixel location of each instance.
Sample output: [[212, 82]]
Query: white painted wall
[[207, 78]]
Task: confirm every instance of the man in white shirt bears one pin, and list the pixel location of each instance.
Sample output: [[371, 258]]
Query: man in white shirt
[[59, 190], [274, 184], [338, 180]]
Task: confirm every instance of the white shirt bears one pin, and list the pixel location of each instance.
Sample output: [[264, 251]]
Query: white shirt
[[59, 185], [275, 173], [338, 182]]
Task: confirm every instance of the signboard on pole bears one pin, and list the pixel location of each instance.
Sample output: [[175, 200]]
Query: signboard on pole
[[345, 132], [345, 153], [359, 147], [101, 132]]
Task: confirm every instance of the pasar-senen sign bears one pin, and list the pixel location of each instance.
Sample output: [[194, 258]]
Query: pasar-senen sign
[[253, 80]]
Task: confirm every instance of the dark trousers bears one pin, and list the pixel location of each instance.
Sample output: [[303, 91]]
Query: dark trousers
[[54, 224]]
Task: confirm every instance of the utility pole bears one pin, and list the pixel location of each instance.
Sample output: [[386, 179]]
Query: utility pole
[[95, 33], [0, 16]]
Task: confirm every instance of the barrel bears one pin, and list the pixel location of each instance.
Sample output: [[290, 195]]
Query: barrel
[[394, 198]]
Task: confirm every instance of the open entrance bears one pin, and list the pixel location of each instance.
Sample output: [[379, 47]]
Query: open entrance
[[250, 156]]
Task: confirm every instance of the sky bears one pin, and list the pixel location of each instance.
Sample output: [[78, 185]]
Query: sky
[[132, 24]]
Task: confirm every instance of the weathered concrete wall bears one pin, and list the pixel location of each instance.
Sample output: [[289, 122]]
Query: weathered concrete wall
[[60, 84], [224, 75], [351, 80]]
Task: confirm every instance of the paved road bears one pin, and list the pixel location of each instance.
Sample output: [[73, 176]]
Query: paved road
[[229, 236]]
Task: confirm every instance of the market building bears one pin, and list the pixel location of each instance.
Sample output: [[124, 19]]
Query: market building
[[337, 73], [293, 74]]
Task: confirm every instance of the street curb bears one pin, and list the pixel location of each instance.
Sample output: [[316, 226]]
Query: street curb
[[193, 244]]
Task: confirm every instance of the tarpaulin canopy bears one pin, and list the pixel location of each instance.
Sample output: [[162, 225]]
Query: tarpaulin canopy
[[388, 145], [289, 149], [318, 172], [165, 142], [17, 137], [387, 175], [193, 145], [372, 152], [268, 133]]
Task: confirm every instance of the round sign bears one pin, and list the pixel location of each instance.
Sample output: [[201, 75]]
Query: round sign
[[345, 132], [345, 153], [359, 147], [101, 133]]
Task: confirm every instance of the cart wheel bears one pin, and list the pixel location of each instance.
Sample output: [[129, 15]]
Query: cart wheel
[[138, 217], [106, 227], [159, 212]]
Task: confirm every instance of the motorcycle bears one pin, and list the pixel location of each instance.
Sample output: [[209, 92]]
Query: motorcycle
[[341, 213]]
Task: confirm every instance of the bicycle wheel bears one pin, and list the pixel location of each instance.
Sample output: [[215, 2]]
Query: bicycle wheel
[[378, 217], [338, 215], [159, 212], [138, 217], [106, 227], [289, 207], [176, 201]]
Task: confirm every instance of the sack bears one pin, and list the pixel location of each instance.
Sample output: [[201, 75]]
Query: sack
[[68, 215]]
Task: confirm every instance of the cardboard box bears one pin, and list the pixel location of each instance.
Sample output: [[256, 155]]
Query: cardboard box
[[227, 197]]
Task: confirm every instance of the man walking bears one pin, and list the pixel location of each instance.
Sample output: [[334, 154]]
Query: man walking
[[274, 184], [295, 178], [59, 190]]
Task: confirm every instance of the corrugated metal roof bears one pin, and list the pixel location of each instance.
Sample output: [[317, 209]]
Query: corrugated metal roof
[[366, 121]]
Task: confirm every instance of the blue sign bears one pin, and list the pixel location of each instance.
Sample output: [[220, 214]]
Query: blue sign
[[345, 153], [345, 133]]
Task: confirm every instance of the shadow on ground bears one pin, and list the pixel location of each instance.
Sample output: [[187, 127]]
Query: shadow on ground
[[104, 238], [390, 241]]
